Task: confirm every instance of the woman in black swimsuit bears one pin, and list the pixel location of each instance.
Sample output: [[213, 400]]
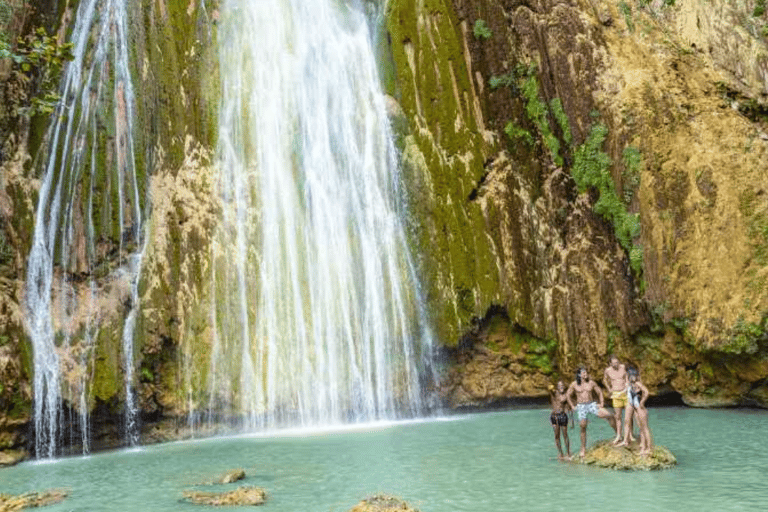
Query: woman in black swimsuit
[[559, 418], [637, 394]]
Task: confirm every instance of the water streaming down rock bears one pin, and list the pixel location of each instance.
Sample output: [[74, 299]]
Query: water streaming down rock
[[317, 312], [88, 215]]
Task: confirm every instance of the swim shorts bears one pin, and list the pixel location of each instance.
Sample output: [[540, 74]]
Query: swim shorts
[[559, 418], [619, 399], [589, 408]]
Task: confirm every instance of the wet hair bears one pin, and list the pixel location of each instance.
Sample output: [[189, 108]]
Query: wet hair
[[578, 374], [612, 357], [632, 372]]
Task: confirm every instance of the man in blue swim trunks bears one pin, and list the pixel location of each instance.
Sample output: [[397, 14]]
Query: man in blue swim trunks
[[585, 389]]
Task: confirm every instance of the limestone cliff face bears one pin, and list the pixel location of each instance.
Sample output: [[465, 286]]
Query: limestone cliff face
[[175, 73], [531, 135], [523, 260]]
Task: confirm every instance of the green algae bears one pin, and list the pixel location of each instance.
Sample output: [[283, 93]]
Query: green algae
[[443, 162]]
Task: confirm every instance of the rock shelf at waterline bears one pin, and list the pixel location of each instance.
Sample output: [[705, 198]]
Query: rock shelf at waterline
[[11, 503], [241, 496], [382, 503], [605, 455]]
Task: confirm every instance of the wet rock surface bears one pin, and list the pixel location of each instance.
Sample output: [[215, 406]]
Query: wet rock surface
[[11, 503], [382, 503], [11, 457], [603, 454], [245, 495], [232, 476]]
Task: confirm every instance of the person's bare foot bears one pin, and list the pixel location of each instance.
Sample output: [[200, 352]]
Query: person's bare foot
[[616, 441], [623, 443], [582, 453], [561, 458]]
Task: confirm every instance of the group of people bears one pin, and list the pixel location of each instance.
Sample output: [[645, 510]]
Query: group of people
[[627, 393]]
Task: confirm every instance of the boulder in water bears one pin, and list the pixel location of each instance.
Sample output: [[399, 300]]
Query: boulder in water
[[382, 503], [232, 476], [240, 496], [605, 455], [12, 503]]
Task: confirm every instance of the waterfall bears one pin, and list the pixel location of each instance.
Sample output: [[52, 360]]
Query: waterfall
[[317, 311], [88, 215]]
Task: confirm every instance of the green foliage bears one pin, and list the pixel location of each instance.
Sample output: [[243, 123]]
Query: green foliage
[[744, 338], [759, 8], [632, 160], [481, 30], [38, 58], [515, 132], [626, 11], [146, 374], [556, 106], [592, 170], [506, 80], [537, 112], [540, 353]]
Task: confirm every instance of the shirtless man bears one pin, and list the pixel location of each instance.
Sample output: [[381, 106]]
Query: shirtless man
[[584, 389], [616, 382], [559, 418]]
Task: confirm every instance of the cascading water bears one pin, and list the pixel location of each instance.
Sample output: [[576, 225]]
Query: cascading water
[[88, 214], [317, 312]]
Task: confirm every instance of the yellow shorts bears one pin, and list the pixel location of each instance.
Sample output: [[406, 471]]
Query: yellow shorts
[[619, 399]]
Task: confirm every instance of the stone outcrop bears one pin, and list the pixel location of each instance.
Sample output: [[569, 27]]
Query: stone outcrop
[[241, 496], [382, 503], [682, 127], [12, 503], [603, 454]]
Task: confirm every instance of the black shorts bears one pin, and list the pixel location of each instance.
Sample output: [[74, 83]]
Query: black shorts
[[559, 418]]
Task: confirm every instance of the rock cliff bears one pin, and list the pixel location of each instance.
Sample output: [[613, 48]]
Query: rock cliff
[[584, 177], [591, 177]]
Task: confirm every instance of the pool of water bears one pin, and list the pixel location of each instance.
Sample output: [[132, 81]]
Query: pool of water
[[482, 462]]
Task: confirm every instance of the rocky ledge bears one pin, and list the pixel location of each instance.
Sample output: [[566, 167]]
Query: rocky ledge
[[12, 503], [241, 496], [382, 503], [603, 454]]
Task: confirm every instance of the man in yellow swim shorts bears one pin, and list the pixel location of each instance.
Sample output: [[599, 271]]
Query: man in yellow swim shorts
[[616, 382]]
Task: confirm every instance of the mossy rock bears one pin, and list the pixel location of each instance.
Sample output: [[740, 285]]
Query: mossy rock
[[603, 454], [11, 457], [241, 496], [382, 503], [11, 503]]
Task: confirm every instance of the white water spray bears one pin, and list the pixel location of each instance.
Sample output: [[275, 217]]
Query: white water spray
[[318, 314], [90, 139]]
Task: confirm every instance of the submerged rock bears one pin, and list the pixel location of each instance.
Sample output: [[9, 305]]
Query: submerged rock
[[11, 503], [240, 496], [231, 476], [382, 503], [605, 455]]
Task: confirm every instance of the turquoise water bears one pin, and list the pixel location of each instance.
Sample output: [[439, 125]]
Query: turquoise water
[[483, 462]]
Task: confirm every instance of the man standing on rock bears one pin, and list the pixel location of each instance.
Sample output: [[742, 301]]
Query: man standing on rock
[[585, 390], [616, 382]]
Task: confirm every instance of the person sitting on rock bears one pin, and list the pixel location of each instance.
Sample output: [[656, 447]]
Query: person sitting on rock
[[637, 394], [559, 418], [584, 389], [616, 383]]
